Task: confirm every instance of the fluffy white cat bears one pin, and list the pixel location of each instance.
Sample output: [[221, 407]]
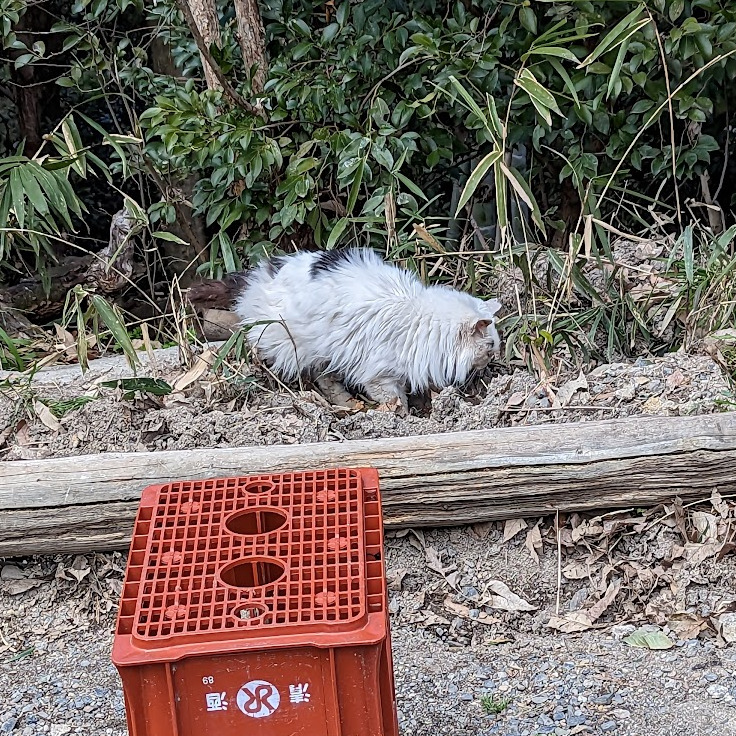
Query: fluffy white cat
[[348, 317]]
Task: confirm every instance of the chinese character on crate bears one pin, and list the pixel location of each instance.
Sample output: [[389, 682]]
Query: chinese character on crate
[[258, 605]]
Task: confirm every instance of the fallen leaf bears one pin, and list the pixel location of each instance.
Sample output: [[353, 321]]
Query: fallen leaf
[[719, 505], [46, 416], [697, 553], [512, 527], [687, 625], [534, 542], [11, 572], [645, 639], [726, 627], [583, 620], [16, 587], [706, 525], [676, 379], [576, 571], [464, 612], [203, 363], [504, 600], [395, 578], [568, 390]]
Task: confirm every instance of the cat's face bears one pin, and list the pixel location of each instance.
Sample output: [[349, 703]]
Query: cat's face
[[484, 342]]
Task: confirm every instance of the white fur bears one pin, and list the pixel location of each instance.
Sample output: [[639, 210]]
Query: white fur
[[373, 325]]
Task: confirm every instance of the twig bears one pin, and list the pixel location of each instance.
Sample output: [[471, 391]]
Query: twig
[[204, 50]]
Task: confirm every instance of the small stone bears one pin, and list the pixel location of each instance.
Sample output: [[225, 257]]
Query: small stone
[[9, 725], [710, 676], [573, 721], [717, 691], [621, 713], [609, 726], [538, 699], [467, 697], [60, 729], [604, 699]]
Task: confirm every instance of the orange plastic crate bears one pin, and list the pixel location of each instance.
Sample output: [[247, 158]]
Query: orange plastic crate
[[258, 605]]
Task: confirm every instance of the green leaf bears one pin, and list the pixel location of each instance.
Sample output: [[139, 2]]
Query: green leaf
[[153, 386], [19, 200], [170, 237], [336, 232], [355, 188], [649, 640], [476, 177], [522, 189], [554, 51], [542, 99], [569, 84], [616, 71], [114, 323], [473, 106], [620, 32], [528, 19], [74, 144], [33, 190], [410, 185]]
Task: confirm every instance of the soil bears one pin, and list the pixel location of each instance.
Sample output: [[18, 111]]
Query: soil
[[246, 411]]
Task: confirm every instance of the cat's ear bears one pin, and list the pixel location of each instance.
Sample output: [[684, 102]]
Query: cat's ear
[[480, 327], [492, 306]]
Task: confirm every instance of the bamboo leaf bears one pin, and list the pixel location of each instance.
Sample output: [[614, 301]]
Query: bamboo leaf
[[114, 323], [620, 33], [336, 232], [355, 188], [476, 177], [616, 71], [521, 187], [688, 254], [566, 78], [74, 144], [19, 200], [33, 190]]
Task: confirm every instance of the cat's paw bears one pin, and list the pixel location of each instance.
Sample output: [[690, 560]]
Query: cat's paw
[[394, 406]]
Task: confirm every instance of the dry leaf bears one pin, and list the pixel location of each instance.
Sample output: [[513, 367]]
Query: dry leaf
[[576, 571], [726, 627], [203, 363], [512, 527], [676, 379], [46, 416], [395, 578], [534, 541], [11, 572], [464, 612], [706, 525], [697, 553], [582, 620], [504, 600], [720, 506], [16, 587], [687, 625], [568, 390]]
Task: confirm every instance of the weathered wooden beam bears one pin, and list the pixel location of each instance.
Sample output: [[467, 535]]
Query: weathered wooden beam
[[88, 502]]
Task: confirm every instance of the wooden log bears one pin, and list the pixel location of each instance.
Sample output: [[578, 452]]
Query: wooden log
[[88, 502]]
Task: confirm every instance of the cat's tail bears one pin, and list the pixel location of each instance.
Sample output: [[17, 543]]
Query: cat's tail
[[217, 294]]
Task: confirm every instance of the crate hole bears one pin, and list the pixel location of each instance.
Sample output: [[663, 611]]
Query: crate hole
[[249, 611], [258, 486], [252, 572], [255, 521]]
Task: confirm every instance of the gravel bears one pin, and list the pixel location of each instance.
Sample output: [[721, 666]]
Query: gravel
[[57, 677]]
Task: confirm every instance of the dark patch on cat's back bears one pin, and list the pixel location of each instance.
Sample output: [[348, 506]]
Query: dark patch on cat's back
[[329, 260], [274, 264]]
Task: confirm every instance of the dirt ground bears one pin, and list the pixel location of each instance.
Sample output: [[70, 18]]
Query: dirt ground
[[542, 626]]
